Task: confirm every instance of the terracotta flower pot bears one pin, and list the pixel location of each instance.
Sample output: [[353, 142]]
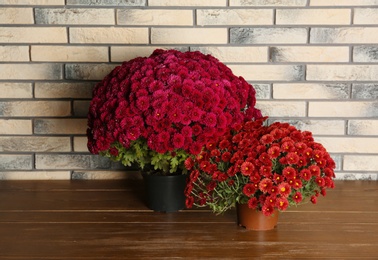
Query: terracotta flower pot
[[165, 193], [255, 220]]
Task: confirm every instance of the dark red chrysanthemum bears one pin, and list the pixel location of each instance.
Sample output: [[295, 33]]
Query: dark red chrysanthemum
[[181, 88], [297, 197], [249, 189], [247, 168]]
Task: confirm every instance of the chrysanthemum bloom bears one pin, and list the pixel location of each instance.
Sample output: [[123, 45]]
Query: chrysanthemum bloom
[[282, 203], [284, 189], [267, 210], [247, 168], [249, 189], [190, 96], [265, 185], [297, 197], [253, 203], [289, 167]]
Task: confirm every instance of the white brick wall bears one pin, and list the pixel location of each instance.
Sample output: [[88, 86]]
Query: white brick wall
[[314, 63]]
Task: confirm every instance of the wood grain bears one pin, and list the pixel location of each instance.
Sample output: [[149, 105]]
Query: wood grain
[[109, 220]]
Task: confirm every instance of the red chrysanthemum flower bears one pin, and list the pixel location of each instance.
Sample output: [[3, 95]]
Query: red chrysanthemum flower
[[247, 168], [253, 203], [292, 158], [265, 159], [189, 202], [282, 203], [255, 177], [211, 186], [265, 171], [249, 189], [315, 170], [189, 163], [271, 201], [265, 185], [284, 189], [178, 140], [282, 173], [274, 152], [305, 174], [289, 172], [320, 181], [267, 210], [226, 156], [297, 197], [267, 139], [288, 147]]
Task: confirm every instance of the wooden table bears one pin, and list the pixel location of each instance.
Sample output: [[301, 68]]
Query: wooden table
[[109, 220]]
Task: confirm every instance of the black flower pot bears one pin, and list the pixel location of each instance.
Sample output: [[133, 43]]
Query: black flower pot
[[165, 193]]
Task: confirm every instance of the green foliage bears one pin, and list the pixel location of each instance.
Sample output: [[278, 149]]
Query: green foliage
[[147, 160]]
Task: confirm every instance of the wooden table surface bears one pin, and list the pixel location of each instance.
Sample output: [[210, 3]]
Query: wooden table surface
[[109, 220]]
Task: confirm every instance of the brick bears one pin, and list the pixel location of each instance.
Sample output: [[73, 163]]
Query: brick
[[14, 53], [63, 90], [15, 127], [109, 35], [268, 35], [35, 175], [32, 2], [154, 17], [282, 108], [342, 2], [263, 91], [343, 109], [269, 72], [33, 35], [319, 127], [39, 71], [309, 54], [310, 91], [69, 53], [80, 144], [338, 160], [365, 54], [74, 16], [344, 35], [16, 16], [71, 161], [352, 176], [16, 90], [268, 2], [35, 108], [365, 91], [362, 127], [236, 54], [126, 53], [108, 2], [81, 108], [349, 144], [15, 162], [187, 3], [342, 72], [185, 35], [234, 17], [35, 144], [105, 175], [313, 16], [69, 126], [88, 71], [365, 16], [361, 163]]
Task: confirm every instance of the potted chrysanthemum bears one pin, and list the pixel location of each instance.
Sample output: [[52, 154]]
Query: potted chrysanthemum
[[261, 169], [155, 111]]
